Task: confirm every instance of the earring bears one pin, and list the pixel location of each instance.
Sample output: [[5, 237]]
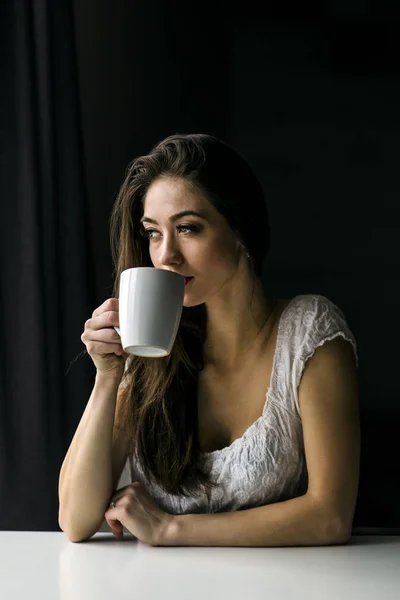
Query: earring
[[244, 248]]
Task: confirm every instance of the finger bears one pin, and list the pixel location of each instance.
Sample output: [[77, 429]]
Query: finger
[[117, 528], [102, 349], [109, 304], [109, 318], [107, 336], [114, 524]]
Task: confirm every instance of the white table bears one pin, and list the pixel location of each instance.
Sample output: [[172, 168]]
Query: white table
[[47, 566]]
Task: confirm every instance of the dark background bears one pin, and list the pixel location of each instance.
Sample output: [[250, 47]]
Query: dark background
[[308, 92]]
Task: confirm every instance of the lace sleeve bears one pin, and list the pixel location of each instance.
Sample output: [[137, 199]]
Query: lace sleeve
[[322, 321]]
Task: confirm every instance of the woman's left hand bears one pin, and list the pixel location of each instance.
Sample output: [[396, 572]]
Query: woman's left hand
[[137, 511]]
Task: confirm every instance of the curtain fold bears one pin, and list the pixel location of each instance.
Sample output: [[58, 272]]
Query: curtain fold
[[46, 263]]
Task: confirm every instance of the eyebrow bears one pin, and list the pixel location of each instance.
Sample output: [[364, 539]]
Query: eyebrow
[[178, 215]]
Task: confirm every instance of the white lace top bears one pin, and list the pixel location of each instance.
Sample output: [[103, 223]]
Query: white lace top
[[267, 464]]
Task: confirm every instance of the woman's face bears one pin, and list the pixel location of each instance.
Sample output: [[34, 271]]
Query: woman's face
[[202, 247]]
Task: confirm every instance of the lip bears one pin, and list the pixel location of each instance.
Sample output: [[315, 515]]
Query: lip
[[188, 280]]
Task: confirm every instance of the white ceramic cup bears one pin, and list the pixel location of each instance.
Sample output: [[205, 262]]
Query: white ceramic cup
[[150, 309]]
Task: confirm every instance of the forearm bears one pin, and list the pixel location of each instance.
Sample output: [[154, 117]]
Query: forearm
[[86, 478], [296, 522]]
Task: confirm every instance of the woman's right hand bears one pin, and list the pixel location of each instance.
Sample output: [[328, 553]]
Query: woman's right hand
[[102, 342]]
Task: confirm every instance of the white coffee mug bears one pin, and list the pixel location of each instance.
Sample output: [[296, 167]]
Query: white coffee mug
[[150, 309]]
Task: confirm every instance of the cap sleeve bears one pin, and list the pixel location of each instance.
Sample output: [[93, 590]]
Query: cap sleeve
[[321, 321]]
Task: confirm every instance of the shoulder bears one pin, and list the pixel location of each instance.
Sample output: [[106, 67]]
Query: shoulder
[[311, 304], [313, 319], [314, 311]]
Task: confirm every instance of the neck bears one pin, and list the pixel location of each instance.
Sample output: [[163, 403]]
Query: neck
[[236, 328]]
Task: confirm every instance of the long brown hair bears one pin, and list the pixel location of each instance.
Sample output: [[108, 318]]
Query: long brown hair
[[158, 410]]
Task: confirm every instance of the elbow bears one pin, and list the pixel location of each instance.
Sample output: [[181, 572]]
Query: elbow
[[342, 535], [331, 526], [338, 539], [70, 536], [77, 540], [73, 536], [335, 532], [77, 535]]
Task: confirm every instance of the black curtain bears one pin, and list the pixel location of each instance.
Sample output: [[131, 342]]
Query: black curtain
[[153, 70], [45, 254]]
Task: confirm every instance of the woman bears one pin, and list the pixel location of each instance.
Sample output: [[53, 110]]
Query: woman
[[248, 432]]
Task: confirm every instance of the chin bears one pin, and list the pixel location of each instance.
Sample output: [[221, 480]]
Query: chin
[[191, 304]]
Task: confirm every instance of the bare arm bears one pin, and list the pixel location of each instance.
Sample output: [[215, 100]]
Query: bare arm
[[92, 467], [300, 521]]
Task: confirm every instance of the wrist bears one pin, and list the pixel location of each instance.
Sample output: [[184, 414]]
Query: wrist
[[110, 379], [172, 532]]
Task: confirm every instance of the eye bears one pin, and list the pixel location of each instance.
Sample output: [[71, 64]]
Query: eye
[[188, 228]]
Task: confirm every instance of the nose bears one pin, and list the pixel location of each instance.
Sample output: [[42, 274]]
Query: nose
[[169, 252]]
